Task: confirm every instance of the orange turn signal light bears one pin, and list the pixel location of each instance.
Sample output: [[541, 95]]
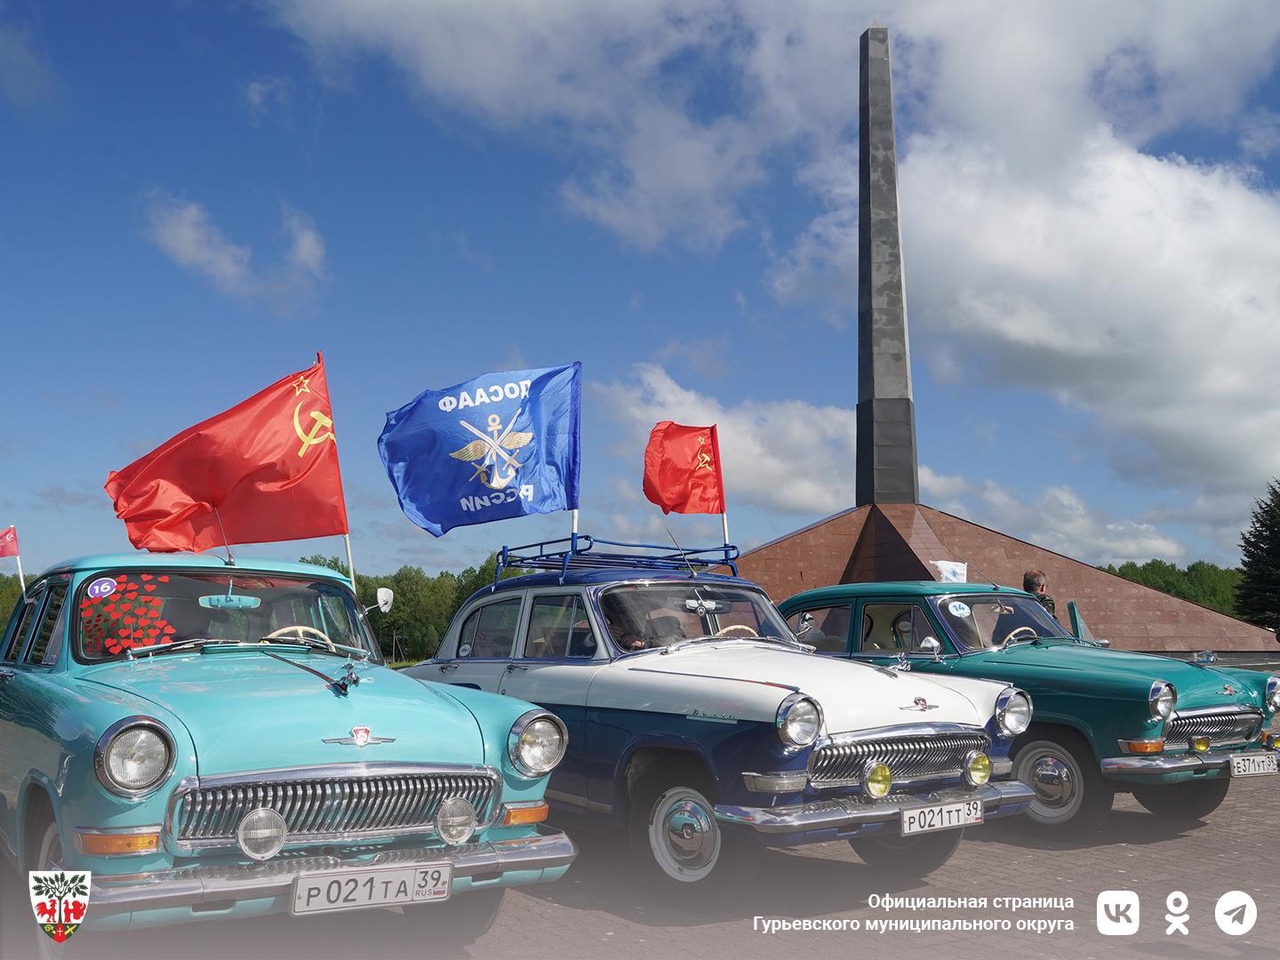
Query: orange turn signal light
[[522, 813], [116, 844], [1143, 746]]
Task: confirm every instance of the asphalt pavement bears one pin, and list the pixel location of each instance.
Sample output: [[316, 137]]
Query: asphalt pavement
[[822, 901]]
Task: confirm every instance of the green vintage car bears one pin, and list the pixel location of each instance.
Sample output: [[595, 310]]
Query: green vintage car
[[1171, 732]]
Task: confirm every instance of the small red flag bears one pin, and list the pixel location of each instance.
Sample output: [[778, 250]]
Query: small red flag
[[263, 471], [9, 542], [682, 469]]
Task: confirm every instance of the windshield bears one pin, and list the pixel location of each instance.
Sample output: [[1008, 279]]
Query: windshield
[[992, 620], [138, 611], [660, 614]]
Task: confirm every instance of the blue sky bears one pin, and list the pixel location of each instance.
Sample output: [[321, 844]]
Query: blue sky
[[196, 198]]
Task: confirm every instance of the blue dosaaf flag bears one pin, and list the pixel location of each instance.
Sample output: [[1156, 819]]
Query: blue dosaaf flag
[[499, 446]]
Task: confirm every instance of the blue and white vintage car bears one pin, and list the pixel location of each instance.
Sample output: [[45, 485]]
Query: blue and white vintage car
[[220, 740], [698, 722]]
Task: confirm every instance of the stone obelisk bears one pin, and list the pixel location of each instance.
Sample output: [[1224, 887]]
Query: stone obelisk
[[886, 469]]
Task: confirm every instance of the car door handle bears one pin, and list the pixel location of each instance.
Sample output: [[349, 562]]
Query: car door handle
[[6, 675], [446, 667], [513, 667]]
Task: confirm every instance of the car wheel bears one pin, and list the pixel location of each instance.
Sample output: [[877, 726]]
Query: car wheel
[[1059, 766], [1189, 800], [469, 916], [46, 854], [678, 843], [907, 857]]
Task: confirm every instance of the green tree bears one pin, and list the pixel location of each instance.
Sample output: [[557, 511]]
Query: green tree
[[9, 593], [1258, 592], [1202, 582]]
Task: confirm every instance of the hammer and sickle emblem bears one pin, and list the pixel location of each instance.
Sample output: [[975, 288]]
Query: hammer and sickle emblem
[[321, 429]]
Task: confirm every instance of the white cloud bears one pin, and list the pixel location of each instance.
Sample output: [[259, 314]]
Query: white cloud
[[26, 75], [184, 232]]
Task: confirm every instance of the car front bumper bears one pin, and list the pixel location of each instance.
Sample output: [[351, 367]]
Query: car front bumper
[[220, 891], [850, 816], [1170, 768]]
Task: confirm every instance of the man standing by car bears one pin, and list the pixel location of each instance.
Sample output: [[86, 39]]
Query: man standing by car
[[1034, 581]]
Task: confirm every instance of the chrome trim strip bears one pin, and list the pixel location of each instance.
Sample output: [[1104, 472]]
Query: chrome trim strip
[[1168, 764], [188, 886], [998, 799]]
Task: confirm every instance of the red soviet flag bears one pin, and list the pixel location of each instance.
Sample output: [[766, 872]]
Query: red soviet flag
[[263, 471], [682, 469], [9, 542]]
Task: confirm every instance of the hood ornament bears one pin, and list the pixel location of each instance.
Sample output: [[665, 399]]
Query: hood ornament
[[360, 737], [921, 704]]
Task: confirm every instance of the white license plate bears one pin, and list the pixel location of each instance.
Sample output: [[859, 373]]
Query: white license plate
[[353, 889], [1253, 764], [944, 816]]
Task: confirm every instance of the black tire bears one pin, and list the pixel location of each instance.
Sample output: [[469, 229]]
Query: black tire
[[677, 844], [907, 857], [467, 917], [1189, 800], [45, 853], [1059, 766]]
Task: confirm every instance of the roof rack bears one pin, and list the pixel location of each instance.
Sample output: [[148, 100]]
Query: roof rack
[[578, 552]]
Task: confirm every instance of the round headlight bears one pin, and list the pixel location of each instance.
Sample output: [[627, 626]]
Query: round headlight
[[977, 769], [799, 721], [1013, 712], [1162, 699], [262, 833], [1273, 694], [455, 821], [537, 743], [133, 756], [877, 780]]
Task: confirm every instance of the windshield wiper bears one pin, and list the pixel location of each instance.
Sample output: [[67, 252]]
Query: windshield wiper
[[191, 643], [312, 643]]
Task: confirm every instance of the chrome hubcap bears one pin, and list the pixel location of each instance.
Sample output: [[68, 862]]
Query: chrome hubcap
[[691, 834], [1053, 781]]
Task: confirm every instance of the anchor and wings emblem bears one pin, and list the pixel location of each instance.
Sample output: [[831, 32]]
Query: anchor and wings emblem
[[493, 453]]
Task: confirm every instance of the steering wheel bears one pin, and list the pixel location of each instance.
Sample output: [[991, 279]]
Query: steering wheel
[[736, 629], [1028, 633], [300, 631]]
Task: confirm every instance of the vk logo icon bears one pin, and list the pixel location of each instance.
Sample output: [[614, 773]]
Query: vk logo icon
[[1118, 913]]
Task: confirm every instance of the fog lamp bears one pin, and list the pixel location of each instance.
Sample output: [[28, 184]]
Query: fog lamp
[[977, 769], [262, 833], [877, 779], [1200, 744], [455, 821]]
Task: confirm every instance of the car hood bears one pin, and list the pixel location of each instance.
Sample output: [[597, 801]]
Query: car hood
[[1058, 663], [249, 711], [757, 677]]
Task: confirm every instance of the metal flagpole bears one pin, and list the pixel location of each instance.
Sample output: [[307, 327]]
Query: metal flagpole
[[22, 584], [351, 566]]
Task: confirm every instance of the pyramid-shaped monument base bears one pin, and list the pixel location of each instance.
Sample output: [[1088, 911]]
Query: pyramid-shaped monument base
[[908, 541]]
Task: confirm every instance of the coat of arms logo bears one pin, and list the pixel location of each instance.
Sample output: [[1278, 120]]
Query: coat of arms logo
[[59, 899]]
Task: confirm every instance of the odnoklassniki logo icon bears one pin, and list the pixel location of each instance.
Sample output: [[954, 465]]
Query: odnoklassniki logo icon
[[59, 900]]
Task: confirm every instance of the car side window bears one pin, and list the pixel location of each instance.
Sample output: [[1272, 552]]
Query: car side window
[[19, 623], [490, 631], [892, 628], [826, 629], [558, 628], [50, 626]]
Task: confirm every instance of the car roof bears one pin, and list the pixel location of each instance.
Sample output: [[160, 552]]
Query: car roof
[[189, 561], [903, 588]]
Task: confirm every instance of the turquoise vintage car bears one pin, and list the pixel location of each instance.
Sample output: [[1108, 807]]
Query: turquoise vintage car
[[221, 740], [1171, 732]]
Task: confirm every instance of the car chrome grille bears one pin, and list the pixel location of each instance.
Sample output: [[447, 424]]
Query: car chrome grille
[[910, 758], [1219, 724], [331, 807]]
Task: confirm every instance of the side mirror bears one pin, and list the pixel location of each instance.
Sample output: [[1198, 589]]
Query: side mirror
[[931, 646], [806, 624], [385, 596]]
